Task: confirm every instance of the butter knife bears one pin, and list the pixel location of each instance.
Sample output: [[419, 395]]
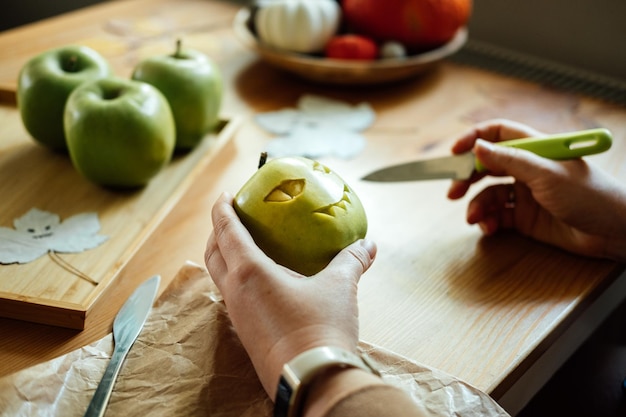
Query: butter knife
[[126, 327]]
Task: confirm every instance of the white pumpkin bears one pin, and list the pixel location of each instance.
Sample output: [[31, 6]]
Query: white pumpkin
[[297, 25]]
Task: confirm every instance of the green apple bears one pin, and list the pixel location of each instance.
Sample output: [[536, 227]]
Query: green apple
[[192, 84], [300, 213], [45, 82], [120, 132]]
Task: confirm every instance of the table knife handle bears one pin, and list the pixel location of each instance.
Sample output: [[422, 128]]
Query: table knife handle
[[101, 397]]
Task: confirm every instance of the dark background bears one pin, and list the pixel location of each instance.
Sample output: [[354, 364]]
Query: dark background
[[587, 34]]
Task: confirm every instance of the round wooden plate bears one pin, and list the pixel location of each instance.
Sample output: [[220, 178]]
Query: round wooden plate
[[334, 71]]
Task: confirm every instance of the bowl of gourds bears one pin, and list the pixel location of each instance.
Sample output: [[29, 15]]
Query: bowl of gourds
[[350, 41]]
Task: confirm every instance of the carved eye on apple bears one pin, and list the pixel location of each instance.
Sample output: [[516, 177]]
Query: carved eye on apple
[[300, 213], [285, 191]]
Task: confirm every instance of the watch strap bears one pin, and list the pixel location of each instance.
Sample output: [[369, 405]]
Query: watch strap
[[298, 373]]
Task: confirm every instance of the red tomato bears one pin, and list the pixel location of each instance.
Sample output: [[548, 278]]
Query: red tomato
[[354, 47]]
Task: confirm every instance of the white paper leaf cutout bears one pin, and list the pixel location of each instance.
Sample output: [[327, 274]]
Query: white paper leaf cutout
[[39, 232], [325, 111], [318, 127], [316, 142], [278, 122]]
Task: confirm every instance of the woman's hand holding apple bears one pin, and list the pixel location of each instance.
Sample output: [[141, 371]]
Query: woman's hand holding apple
[[277, 312]]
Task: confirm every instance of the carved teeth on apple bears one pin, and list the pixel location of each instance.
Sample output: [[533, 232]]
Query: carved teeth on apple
[[321, 167], [331, 209]]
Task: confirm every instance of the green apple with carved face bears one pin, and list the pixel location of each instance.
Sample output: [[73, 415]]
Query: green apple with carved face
[[300, 213]]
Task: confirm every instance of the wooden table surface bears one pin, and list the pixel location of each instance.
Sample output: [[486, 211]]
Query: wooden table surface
[[486, 310]]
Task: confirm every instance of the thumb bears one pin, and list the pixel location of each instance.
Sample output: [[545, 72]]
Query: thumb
[[521, 164], [353, 260]]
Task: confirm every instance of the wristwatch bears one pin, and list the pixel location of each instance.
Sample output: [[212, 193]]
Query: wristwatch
[[298, 373]]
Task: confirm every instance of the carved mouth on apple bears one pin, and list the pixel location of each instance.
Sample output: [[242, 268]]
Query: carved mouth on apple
[[331, 209]]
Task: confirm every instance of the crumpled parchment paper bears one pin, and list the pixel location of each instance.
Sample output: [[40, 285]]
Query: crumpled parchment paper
[[188, 361]]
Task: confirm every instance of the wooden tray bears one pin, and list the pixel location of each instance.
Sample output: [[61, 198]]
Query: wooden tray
[[31, 176]]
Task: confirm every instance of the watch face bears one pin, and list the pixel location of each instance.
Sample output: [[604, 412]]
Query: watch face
[[283, 396]]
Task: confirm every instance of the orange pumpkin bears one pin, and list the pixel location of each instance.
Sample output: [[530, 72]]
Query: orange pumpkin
[[417, 24]]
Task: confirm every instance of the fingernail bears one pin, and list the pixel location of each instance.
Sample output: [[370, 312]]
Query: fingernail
[[370, 247], [488, 228], [485, 144], [226, 196]]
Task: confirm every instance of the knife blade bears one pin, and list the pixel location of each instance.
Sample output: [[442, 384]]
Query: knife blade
[[126, 327], [560, 146]]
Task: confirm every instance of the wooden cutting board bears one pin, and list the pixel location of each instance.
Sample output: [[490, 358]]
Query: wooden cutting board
[[45, 291], [60, 293]]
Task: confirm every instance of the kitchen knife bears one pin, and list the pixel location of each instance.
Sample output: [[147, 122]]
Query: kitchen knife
[[126, 327], [559, 147]]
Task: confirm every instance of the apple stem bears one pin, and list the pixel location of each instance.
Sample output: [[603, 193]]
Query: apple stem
[[179, 47], [72, 63], [262, 159]]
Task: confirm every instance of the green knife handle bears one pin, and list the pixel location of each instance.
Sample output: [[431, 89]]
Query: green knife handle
[[562, 145]]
